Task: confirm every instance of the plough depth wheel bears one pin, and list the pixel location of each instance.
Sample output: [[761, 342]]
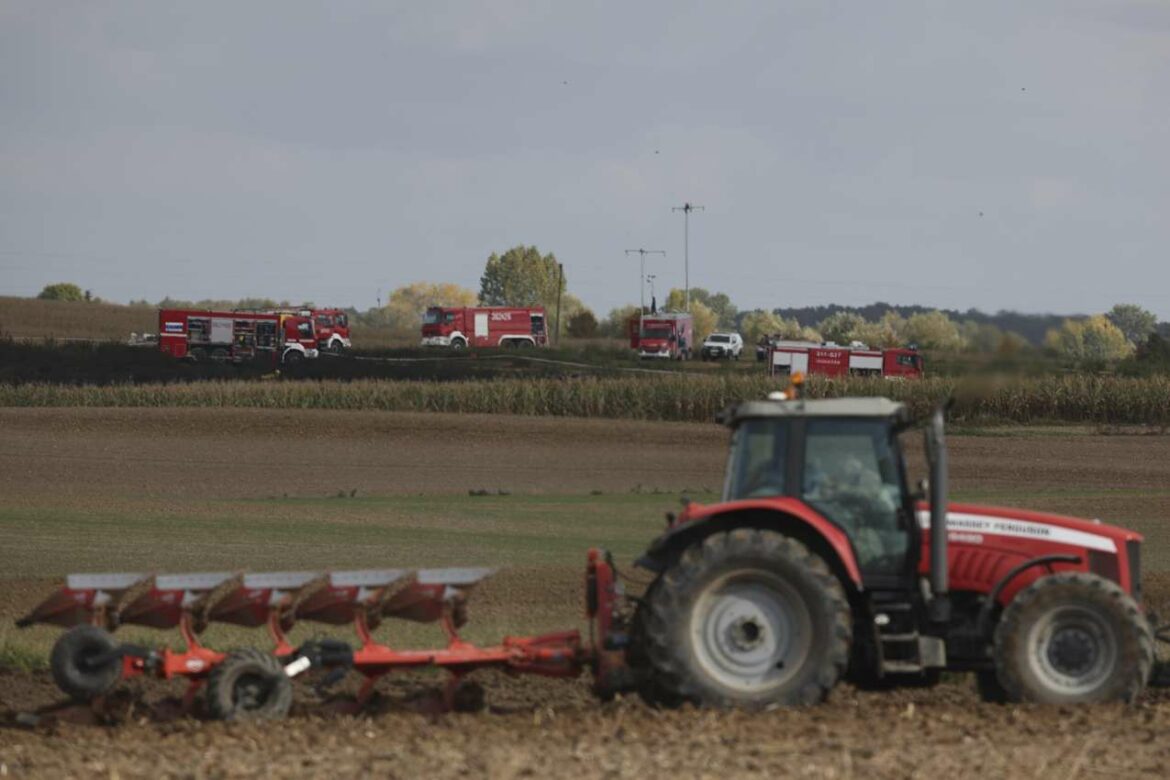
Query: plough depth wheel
[[248, 684], [85, 663]]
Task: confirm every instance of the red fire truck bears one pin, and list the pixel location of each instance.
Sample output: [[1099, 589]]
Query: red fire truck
[[331, 325], [484, 326], [789, 357], [235, 336], [668, 335]]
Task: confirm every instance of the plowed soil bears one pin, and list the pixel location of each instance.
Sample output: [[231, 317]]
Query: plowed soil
[[63, 460]]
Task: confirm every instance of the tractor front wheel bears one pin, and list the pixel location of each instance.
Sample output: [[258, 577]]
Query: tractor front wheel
[[83, 662], [746, 618], [1073, 638], [247, 685]]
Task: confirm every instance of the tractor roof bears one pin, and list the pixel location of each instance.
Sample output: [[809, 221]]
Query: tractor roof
[[827, 407]]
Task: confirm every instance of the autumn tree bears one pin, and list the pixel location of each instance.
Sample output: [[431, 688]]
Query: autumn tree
[[405, 306], [616, 324], [1095, 338], [62, 291], [582, 325], [522, 276], [1134, 321], [933, 330], [842, 327], [705, 322]]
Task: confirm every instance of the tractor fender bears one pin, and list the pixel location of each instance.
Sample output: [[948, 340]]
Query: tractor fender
[[784, 515]]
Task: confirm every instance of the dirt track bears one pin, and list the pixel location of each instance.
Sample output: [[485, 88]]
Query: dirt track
[[533, 726]]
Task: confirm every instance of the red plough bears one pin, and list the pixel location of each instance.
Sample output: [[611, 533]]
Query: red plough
[[88, 662]]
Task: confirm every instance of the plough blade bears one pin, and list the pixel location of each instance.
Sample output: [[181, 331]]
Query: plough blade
[[351, 595], [85, 598], [435, 593]]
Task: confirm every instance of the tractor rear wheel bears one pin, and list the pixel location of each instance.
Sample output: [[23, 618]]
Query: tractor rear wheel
[[247, 685], [77, 664], [1072, 638], [746, 618]]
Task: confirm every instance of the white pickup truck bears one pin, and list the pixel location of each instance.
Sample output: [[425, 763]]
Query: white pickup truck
[[722, 345]]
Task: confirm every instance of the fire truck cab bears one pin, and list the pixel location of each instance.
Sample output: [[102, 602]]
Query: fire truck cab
[[236, 336]]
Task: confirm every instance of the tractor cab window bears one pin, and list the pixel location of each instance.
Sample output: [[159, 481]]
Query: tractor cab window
[[759, 458], [852, 477]]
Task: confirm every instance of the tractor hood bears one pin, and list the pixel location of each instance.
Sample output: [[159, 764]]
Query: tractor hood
[[1002, 526]]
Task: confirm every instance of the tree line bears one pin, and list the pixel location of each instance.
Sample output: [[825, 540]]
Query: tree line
[[524, 276]]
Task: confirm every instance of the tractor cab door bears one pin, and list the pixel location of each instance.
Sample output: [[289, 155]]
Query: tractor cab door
[[853, 475]]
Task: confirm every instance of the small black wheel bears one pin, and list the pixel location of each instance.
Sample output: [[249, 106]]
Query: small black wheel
[[292, 358], [1073, 638], [220, 355], [745, 618], [458, 344], [248, 685], [76, 665], [197, 354]]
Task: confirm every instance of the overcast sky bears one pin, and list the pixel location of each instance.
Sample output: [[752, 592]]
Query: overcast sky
[[992, 154]]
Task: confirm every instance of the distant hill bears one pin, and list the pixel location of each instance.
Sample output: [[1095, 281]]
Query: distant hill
[[1030, 326]]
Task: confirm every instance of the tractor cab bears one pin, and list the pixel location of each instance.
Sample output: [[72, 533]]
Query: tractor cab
[[840, 457]]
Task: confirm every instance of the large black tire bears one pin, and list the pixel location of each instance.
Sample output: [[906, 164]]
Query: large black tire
[[1073, 638], [248, 685], [292, 358], [458, 344], [72, 667], [746, 618]]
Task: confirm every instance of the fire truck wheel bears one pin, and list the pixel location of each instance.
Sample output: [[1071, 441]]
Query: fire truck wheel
[[746, 618], [73, 667], [458, 344], [248, 685], [292, 358], [1072, 638], [198, 354], [219, 355]]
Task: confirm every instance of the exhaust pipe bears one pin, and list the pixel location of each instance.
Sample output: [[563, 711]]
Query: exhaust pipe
[[936, 448]]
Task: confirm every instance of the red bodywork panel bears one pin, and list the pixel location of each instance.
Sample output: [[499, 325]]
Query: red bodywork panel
[[486, 326], [984, 543], [791, 357]]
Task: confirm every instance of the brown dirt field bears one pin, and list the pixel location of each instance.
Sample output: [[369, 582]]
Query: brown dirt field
[[55, 458], [191, 452]]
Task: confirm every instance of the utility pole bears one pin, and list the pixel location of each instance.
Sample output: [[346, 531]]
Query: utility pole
[[560, 284], [686, 209], [642, 279], [650, 279]]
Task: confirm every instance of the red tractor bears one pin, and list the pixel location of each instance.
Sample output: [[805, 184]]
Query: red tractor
[[819, 562]]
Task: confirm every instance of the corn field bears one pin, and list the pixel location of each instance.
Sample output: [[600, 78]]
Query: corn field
[[1058, 399]]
